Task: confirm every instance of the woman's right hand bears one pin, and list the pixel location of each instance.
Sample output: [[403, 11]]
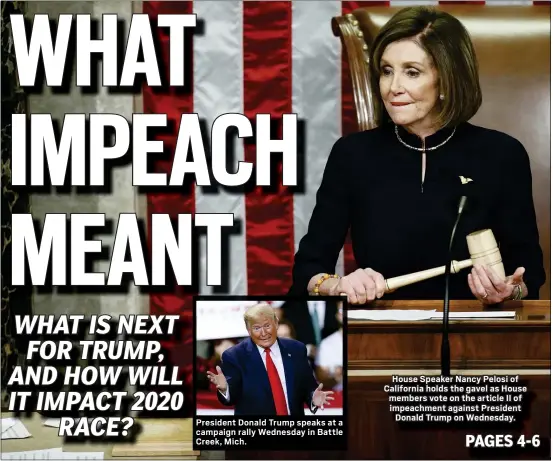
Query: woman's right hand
[[361, 286]]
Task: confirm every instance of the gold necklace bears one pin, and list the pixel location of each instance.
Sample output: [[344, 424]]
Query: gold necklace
[[422, 149]]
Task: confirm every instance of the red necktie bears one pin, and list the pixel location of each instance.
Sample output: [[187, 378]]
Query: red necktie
[[276, 385]]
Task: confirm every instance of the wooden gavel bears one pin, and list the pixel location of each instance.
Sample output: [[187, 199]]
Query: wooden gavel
[[483, 250]]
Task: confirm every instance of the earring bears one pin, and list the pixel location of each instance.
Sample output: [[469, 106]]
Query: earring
[[442, 97]]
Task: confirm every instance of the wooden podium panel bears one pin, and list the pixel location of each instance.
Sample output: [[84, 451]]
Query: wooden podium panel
[[520, 343], [377, 350], [374, 434]]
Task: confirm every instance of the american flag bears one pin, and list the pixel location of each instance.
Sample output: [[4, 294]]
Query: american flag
[[256, 57]]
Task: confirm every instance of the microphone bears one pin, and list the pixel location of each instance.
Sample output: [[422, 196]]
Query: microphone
[[446, 358]]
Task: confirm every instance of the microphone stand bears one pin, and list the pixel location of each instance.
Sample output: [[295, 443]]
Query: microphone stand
[[446, 358]]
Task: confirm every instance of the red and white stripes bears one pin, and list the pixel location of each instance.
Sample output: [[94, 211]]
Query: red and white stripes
[[262, 57]]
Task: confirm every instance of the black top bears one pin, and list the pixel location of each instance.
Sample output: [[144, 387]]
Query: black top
[[399, 225]]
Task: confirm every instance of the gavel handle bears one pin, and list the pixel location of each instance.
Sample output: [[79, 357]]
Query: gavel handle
[[397, 282], [394, 283]]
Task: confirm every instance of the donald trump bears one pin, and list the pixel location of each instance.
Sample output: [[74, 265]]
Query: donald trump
[[266, 375]]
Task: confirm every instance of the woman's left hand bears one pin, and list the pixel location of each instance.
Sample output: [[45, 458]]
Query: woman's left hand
[[488, 287]]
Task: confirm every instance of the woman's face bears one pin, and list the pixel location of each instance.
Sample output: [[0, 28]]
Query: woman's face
[[409, 85]]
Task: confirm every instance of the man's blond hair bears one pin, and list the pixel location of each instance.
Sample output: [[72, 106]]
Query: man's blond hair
[[257, 311]]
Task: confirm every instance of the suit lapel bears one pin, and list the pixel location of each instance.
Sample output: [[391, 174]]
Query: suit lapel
[[258, 368], [288, 371]]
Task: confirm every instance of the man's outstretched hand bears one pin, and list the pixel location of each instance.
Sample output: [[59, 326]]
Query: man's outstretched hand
[[321, 398], [218, 379]]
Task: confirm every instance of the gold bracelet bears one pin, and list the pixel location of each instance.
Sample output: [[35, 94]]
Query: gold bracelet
[[316, 290]]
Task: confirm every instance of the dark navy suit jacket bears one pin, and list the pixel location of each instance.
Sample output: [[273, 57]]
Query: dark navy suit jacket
[[248, 381]]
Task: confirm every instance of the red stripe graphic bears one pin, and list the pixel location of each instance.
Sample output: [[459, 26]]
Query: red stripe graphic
[[173, 103], [349, 117], [269, 225]]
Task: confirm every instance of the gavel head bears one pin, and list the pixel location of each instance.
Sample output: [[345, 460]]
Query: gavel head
[[483, 250]]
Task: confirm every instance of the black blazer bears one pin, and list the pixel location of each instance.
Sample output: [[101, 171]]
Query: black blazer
[[399, 224]]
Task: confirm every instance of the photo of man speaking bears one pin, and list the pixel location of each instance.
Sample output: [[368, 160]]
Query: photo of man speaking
[[267, 375]]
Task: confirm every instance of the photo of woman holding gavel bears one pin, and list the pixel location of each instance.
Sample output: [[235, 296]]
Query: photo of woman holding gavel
[[397, 187]]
